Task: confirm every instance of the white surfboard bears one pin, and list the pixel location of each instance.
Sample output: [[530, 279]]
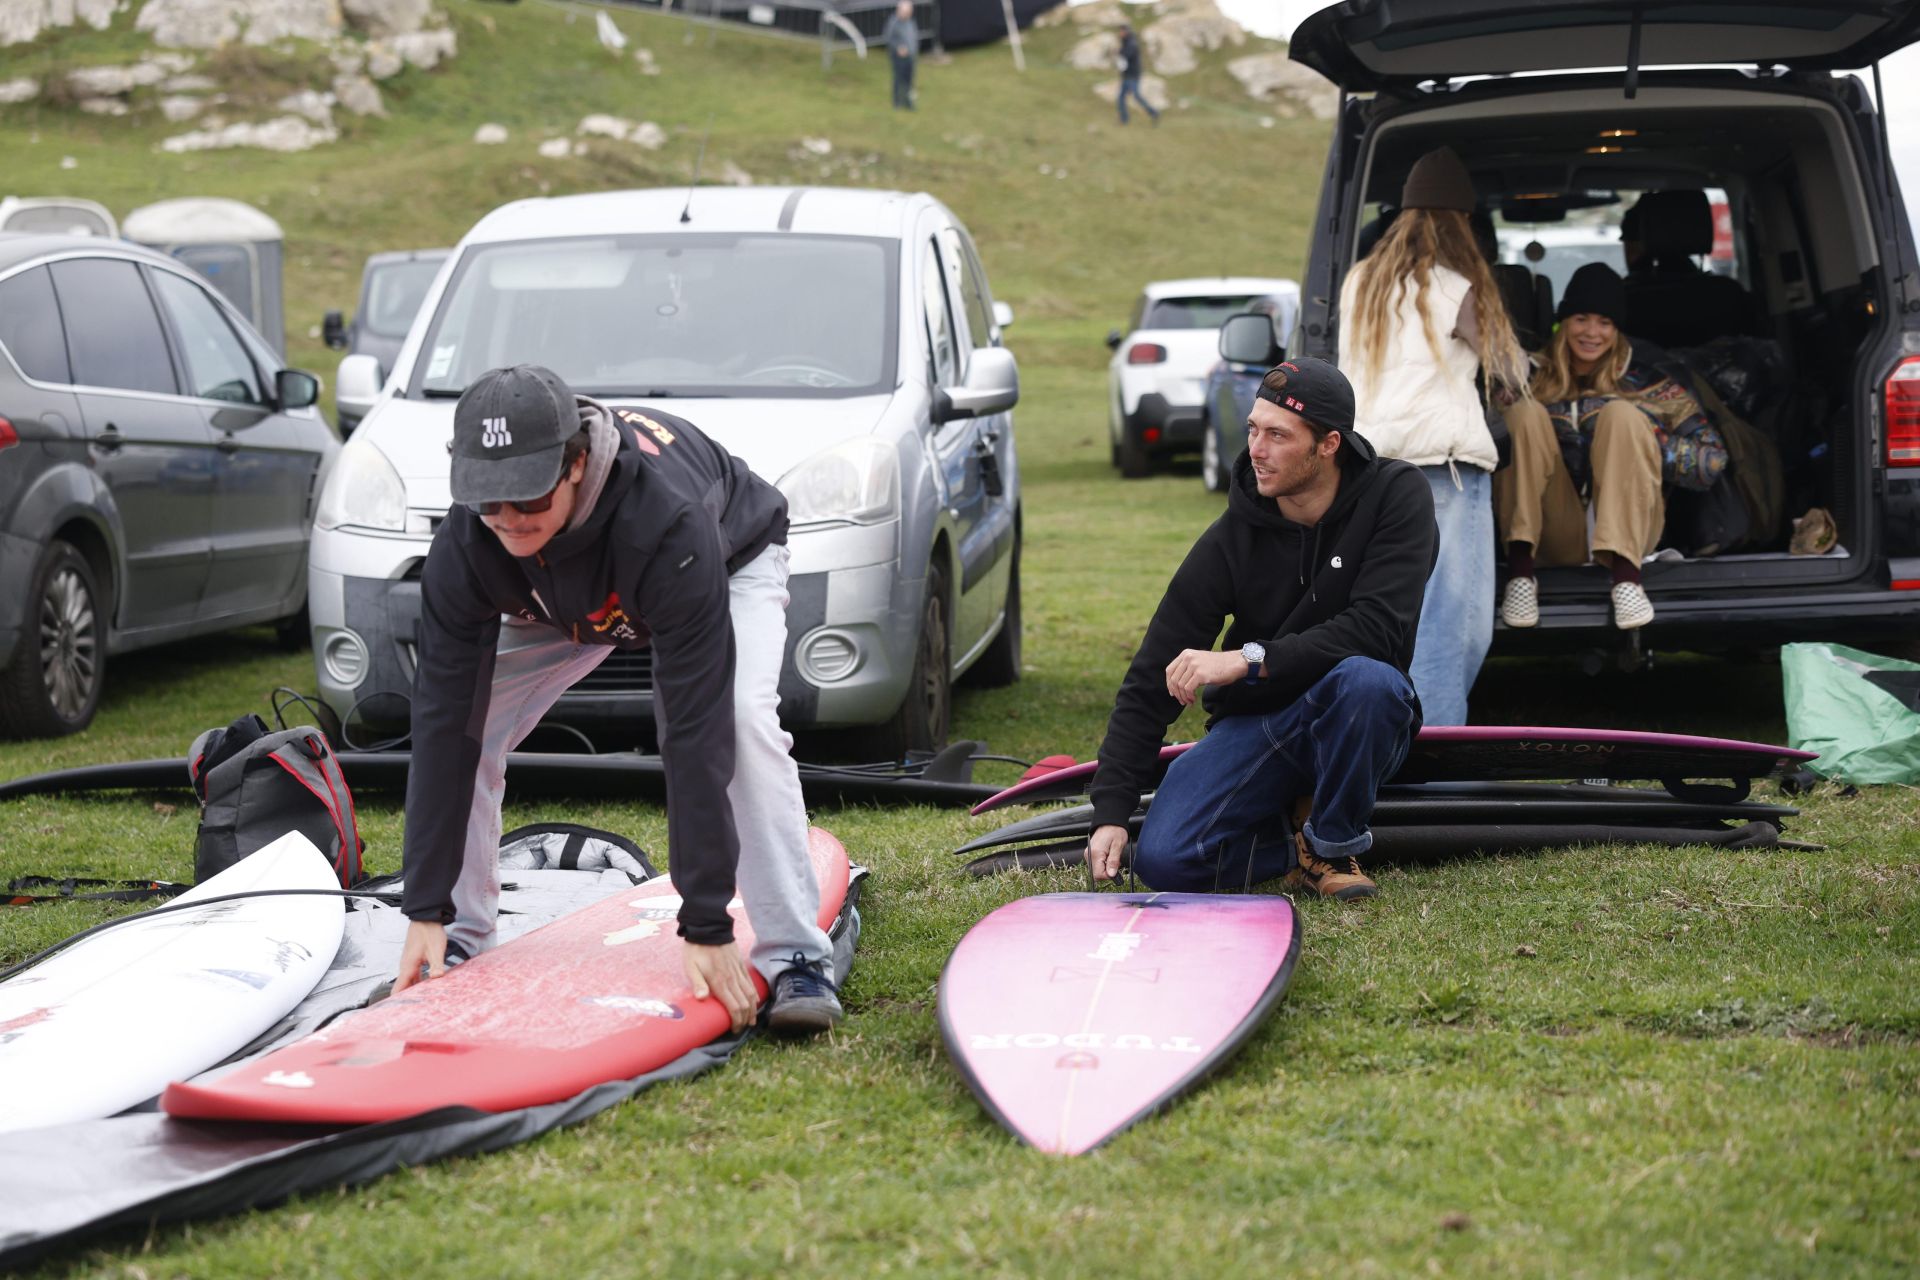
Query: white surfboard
[[110, 1021]]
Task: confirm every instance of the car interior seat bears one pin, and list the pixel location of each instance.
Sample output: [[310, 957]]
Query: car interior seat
[[1529, 301], [1673, 302]]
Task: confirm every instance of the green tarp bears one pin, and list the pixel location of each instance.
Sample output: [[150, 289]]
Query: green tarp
[[1859, 711]]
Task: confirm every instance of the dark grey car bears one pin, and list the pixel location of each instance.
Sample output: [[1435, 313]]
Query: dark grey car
[[392, 287], [158, 470]]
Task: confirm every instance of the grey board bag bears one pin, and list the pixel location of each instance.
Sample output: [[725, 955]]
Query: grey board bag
[[254, 786]]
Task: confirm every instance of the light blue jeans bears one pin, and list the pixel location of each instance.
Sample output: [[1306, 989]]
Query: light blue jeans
[[1456, 622]]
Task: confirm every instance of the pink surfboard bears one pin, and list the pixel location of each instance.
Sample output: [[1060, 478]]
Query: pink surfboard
[[597, 995], [1073, 1015]]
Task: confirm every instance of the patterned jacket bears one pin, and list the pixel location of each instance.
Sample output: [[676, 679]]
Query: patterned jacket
[[1692, 450]]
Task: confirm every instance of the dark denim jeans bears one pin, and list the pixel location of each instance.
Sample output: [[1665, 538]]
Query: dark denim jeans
[[1130, 88], [902, 81], [1224, 800]]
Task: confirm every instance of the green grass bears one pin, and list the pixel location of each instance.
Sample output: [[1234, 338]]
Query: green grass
[[1621, 1061]]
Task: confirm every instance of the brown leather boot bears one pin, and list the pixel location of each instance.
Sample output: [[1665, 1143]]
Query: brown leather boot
[[1342, 879]]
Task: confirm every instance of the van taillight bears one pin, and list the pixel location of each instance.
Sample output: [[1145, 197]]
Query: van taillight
[[1903, 414], [1154, 353], [8, 436]]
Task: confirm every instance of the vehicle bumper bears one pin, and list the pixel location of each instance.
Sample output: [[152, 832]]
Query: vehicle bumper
[[1863, 616], [851, 624], [1179, 425]]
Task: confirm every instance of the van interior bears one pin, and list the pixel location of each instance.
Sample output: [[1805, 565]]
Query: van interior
[[1754, 260]]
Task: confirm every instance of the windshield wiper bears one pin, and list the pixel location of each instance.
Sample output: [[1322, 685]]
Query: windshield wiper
[[443, 393]]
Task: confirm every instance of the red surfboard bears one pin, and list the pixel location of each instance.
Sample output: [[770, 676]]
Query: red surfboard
[[1073, 1015], [1503, 753], [597, 995]]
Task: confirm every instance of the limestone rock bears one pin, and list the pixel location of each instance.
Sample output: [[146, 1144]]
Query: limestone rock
[[555, 148], [181, 107], [1152, 88], [383, 60], [490, 135], [647, 65], [1197, 25], [359, 95], [425, 49], [204, 24], [1097, 52], [23, 89], [190, 84], [383, 18], [1273, 77], [645, 133], [103, 106], [288, 133], [732, 175], [100, 82], [315, 106], [24, 20]]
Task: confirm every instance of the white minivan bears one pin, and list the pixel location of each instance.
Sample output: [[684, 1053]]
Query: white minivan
[[844, 343]]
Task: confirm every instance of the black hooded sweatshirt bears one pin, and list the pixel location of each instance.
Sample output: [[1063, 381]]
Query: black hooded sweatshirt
[[676, 516], [1349, 586]]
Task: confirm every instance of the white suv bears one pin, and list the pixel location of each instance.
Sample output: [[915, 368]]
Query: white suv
[[844, 343], [1157, 379]]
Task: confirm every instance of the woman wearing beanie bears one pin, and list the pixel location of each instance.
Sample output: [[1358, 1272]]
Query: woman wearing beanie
[[1420, 317], [1608, 424]]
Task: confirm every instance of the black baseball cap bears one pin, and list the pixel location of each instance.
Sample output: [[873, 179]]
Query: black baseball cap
[[510, 433], [1313, 389]]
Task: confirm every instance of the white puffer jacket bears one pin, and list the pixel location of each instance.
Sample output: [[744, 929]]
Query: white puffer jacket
[[1415, 410]]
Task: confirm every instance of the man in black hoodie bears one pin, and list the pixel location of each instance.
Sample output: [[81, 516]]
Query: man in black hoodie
[[1321, 561], [587, 529]]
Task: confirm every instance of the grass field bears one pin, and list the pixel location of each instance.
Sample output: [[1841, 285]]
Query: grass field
[[1619, 1061]]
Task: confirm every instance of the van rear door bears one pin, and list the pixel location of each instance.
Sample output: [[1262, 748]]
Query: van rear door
[[1370, 45]]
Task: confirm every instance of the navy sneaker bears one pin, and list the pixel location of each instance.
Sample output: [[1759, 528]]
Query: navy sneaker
[[804, 999]]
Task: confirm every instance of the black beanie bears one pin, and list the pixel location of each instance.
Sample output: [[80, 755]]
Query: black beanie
[[1595, 290], [1439, 181]]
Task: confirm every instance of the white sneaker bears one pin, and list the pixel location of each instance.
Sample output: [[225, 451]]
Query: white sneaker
[[1631, 608], [1520, 607]]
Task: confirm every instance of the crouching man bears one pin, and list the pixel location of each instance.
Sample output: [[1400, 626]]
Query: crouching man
[[598, 529], [1321, 561]]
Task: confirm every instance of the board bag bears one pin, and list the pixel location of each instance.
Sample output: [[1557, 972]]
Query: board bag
[[254, 786]]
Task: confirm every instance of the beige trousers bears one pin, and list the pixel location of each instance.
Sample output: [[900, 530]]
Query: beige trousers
[[1534, 500]]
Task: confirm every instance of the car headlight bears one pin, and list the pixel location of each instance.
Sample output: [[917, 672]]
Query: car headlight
[[856, 482], [363, 491]]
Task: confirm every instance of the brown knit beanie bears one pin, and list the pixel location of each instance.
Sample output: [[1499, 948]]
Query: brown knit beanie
[[1439, 181]]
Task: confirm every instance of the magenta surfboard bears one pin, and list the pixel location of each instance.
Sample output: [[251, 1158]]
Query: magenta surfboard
[[1510, 753], [1073, 1015], [597, 995]]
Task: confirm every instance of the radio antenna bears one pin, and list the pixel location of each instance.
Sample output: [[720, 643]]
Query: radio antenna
[[686, 214]]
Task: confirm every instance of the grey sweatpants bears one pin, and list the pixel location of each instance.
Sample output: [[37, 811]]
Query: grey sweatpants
[[775, 879]]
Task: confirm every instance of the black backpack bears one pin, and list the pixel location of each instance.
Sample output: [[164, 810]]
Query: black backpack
[[254, 786]]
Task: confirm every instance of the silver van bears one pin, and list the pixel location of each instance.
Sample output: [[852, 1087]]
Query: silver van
[[844, 343]]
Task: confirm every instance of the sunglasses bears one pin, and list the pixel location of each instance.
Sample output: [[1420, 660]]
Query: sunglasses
[[529, 507]]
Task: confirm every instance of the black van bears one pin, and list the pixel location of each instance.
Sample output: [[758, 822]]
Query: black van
[[1820, 293]]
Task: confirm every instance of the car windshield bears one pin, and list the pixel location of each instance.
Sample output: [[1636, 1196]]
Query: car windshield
[[1194, 313], [395, 291], [772, 316]]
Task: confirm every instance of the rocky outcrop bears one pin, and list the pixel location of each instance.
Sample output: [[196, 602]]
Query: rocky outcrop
[[22, 89], [1273, 77], [1193, 27], [207, 24], [1152, 88], [104, 82], [288, 133], [490, 134], [381, 19], [644, 133], [24, 20]]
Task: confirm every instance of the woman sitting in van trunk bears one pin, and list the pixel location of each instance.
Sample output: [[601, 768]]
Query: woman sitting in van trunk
[[1420, 317], [1607, 421]]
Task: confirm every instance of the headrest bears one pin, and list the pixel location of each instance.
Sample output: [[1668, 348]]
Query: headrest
[[1673, 222]]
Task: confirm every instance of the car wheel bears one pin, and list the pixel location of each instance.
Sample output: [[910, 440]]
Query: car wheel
[[925, 715], [1215, 474], [52, 686], [999, 666], [1134, 460]]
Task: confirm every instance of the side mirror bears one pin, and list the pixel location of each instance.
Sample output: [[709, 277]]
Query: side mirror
[[1248, 339], [356, 385], [992, 386], [1002, 314], [1113, 339], [333, 330], [295, 388]]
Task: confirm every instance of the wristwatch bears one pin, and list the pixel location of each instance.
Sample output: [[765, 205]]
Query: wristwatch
[[1255, 653]]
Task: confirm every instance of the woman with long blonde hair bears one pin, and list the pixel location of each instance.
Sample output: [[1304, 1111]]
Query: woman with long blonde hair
[[1422, 329], [1608, 427]]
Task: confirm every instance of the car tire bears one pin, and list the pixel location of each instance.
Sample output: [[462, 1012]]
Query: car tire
[[52, 686], [1214, 473], [1135, 462], [925, 715], [999, 666]]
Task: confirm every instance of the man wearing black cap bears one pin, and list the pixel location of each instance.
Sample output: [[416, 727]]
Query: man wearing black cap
[[588, 529], [1321, 562]]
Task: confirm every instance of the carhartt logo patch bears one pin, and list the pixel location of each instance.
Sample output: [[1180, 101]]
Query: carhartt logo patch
[[1335, 562], [494, 433]]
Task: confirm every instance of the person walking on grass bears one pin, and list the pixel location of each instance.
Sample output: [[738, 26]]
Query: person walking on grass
[[1320, 562], [1130, 75], [902, 38], [585, 529]]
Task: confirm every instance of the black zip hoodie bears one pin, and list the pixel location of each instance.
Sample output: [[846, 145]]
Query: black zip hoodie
[[676, 516], [1349, 586]]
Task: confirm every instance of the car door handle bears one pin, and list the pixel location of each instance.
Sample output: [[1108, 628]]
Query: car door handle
[[227, 444], [109, 440]]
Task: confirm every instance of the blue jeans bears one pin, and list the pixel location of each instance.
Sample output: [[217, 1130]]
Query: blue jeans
[[1130, 87], [1224, 801], [1456, 622], [902, 81]]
